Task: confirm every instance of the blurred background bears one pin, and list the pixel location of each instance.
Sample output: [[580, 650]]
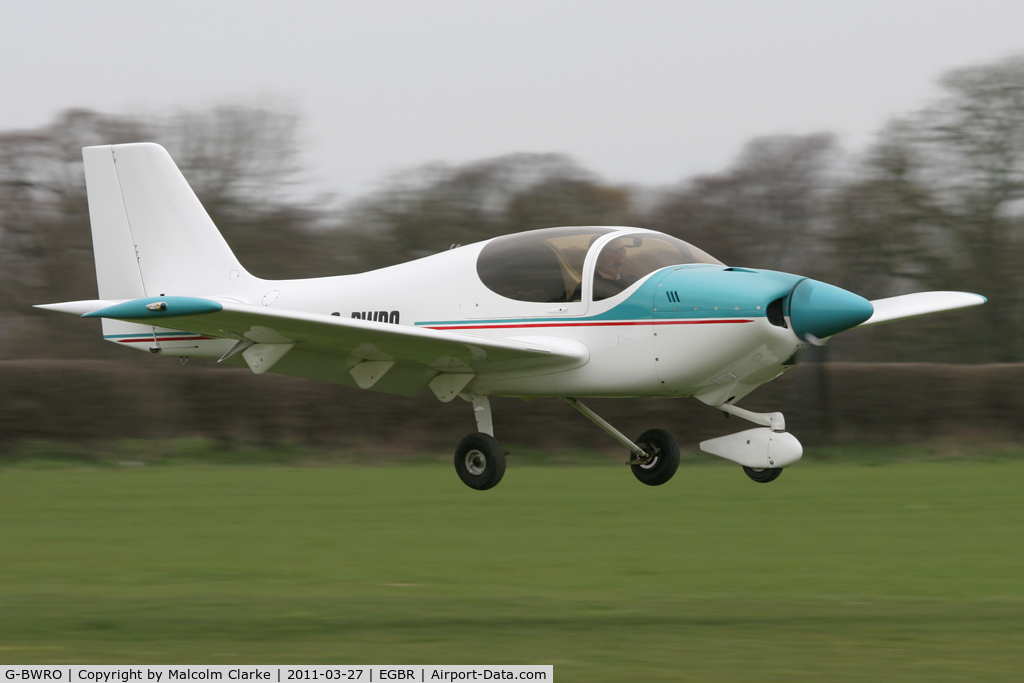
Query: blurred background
[[331, 141]]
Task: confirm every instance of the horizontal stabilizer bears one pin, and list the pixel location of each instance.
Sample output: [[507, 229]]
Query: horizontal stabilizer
[[922, 303]]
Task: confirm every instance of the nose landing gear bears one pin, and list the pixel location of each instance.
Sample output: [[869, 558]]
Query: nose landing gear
[[763, 452]]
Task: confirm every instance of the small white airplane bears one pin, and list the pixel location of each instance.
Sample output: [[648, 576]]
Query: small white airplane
[[561, 312]]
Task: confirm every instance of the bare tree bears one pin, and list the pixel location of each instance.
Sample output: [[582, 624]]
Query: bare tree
[[426, 210], [770, 209], [234, 156], [940, 204]]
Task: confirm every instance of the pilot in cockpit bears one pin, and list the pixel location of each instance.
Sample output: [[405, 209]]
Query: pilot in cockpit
[[608, 277]]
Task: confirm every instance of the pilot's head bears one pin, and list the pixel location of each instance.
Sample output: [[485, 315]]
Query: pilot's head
[[609, 263]]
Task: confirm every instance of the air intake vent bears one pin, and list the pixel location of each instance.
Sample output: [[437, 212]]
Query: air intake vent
[[724, 379], [775, 315]]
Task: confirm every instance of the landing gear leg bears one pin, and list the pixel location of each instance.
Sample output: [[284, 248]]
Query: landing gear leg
[[479, 458], [654, 456], [482, 413]]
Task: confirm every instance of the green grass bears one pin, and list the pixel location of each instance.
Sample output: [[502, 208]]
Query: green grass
[[904, 572], [53, 454]]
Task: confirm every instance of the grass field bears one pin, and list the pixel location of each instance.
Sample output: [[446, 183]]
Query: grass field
[[835, 572]]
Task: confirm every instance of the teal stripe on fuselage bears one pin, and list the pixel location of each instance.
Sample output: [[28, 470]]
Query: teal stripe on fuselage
[[704, 292]]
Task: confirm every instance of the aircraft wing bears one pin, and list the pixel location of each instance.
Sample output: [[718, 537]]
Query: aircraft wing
[[345, 350], [922, 303]]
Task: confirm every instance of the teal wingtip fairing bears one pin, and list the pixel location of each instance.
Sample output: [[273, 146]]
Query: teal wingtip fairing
[[571, 312], [156, 307]]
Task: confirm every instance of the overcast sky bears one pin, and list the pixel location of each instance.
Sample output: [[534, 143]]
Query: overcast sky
[[647, 92]]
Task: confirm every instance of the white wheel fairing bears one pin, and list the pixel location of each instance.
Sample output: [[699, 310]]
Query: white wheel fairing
[[758, 448]]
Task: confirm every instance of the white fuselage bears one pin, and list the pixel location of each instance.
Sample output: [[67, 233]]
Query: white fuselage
[[634, 348]]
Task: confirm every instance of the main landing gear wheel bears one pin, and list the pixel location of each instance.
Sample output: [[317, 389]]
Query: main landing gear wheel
[[762, 475], [662, 457], [480, 461]]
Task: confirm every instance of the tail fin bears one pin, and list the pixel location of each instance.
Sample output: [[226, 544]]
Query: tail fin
[[151, 235]]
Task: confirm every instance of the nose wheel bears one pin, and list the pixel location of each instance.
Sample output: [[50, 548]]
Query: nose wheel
[[762, 475]]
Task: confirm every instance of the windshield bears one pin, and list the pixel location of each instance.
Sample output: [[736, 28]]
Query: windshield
[[627, 259], [540, 265]]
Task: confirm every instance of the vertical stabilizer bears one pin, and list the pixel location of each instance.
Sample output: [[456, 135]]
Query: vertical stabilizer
[[151, 235]]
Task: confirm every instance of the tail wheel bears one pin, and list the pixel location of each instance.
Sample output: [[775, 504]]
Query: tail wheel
[[762, 475], [662, 457], [480, 461]]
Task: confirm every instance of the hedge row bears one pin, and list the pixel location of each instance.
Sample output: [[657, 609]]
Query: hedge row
[[827, 403]]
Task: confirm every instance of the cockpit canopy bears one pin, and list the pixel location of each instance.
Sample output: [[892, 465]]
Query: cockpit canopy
[[546, 266]]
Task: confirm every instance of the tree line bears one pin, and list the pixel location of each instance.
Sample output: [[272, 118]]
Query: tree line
[[936, 202]]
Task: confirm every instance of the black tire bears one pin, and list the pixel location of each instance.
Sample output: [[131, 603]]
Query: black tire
[[762, 475], [480, 461], [665, 461]]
